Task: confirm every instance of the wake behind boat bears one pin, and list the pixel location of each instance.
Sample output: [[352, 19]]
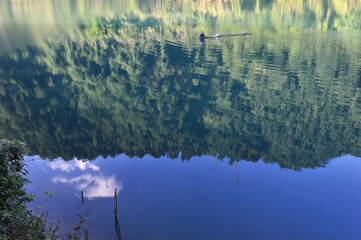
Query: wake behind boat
[[202, 35]]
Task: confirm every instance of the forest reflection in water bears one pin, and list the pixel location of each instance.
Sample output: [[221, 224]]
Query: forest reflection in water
[[241, 99], [139, 82]]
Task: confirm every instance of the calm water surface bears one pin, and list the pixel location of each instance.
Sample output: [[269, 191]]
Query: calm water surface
[[204, 198], [252, 137]]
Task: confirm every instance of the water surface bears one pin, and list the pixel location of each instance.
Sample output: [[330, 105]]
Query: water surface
[[129, 82], [204, 198]]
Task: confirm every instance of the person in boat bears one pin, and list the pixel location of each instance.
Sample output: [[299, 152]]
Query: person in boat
[[202, 34]]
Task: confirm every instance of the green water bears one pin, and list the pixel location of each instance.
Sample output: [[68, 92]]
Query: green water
[[89, 78], [129, 86]]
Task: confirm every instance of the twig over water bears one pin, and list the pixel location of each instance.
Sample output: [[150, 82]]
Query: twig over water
[[117, 227]]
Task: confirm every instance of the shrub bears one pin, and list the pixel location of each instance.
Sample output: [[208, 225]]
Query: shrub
[[16, 221]]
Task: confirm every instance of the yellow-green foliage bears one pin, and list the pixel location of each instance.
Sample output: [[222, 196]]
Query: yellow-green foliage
[[139, 82]]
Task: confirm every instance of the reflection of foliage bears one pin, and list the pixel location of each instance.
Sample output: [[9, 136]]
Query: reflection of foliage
[[118, 86], [272, 15], [134, 95]]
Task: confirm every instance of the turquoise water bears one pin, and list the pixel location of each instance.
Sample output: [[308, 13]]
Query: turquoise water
[[124, 92]]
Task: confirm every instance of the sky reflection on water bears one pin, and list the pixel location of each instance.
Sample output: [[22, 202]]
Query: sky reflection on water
[[101, 78], [203, 198]]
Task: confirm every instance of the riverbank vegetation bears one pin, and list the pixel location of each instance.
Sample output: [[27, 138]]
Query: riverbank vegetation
[[16, 220]]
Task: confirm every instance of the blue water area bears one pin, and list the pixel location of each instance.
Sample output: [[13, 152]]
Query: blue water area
[[204, 198]]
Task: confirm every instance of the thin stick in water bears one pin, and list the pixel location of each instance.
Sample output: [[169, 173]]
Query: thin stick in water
[[117, 227]]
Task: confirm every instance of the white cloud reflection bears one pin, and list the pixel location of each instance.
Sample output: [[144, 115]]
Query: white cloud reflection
[[68, 166], [92, 185]]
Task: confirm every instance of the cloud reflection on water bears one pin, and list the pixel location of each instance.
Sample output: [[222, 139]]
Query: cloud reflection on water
[[92, 185], [68, 166]]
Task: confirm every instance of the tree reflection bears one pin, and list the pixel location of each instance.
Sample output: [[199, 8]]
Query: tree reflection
[[116, 85]]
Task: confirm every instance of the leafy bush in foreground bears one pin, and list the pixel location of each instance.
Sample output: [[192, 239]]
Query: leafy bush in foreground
[[16, 221]]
